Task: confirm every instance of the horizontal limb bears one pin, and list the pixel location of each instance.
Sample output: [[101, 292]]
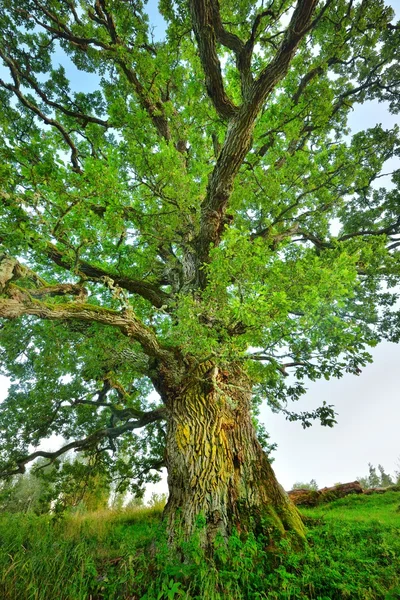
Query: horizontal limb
[[149, 291], [88, 442], [17, 301]]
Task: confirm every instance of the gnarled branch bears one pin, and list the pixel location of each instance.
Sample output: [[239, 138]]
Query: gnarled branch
[[125, 320], [16, 89], [149, 291], [86, 443], [299, 25], [84, 118], [59, 29], [17, 301]]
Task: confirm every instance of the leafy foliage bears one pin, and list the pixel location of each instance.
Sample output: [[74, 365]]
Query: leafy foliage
[[24, 493], [64, 485], [165, 201]]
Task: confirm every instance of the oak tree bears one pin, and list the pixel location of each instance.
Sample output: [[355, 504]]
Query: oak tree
[[191, 216]]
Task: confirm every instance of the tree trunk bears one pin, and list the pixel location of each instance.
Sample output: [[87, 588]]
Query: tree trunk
[[216, 466]]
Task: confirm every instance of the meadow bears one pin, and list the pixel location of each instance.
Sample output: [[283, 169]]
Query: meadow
[[353, 552]]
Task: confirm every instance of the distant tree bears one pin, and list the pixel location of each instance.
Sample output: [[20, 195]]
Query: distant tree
[[397, 472], [371, 480], [311, 485], [25, 493], [158, 501], [385, 479], [374, 479], [135, 502], [117, 499]]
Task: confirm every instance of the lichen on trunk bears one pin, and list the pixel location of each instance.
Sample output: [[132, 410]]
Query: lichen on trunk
[[217, 469]]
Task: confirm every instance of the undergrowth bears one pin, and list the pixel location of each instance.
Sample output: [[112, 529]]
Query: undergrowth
[[353, 552]]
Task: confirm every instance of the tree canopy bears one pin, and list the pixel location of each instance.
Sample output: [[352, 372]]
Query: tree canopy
[[168, 202]]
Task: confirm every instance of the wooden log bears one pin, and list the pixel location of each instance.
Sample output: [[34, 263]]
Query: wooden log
[[304, 497]]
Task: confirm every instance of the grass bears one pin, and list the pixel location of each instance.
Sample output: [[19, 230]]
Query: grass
[[353, 553], [384, 508]]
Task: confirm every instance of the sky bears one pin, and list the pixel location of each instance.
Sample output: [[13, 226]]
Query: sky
[[367, 406]]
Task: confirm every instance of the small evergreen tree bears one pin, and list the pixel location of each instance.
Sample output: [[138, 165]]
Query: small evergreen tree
[[374, 480], [385, 479], [397, 472]]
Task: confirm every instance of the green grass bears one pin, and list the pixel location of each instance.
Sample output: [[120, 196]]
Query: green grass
[[384, 508], [353, 552]]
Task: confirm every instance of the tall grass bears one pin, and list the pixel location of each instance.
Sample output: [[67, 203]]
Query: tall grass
[[353, 552]]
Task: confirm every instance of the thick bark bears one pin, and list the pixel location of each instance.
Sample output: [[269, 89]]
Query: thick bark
[[216, 466]]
